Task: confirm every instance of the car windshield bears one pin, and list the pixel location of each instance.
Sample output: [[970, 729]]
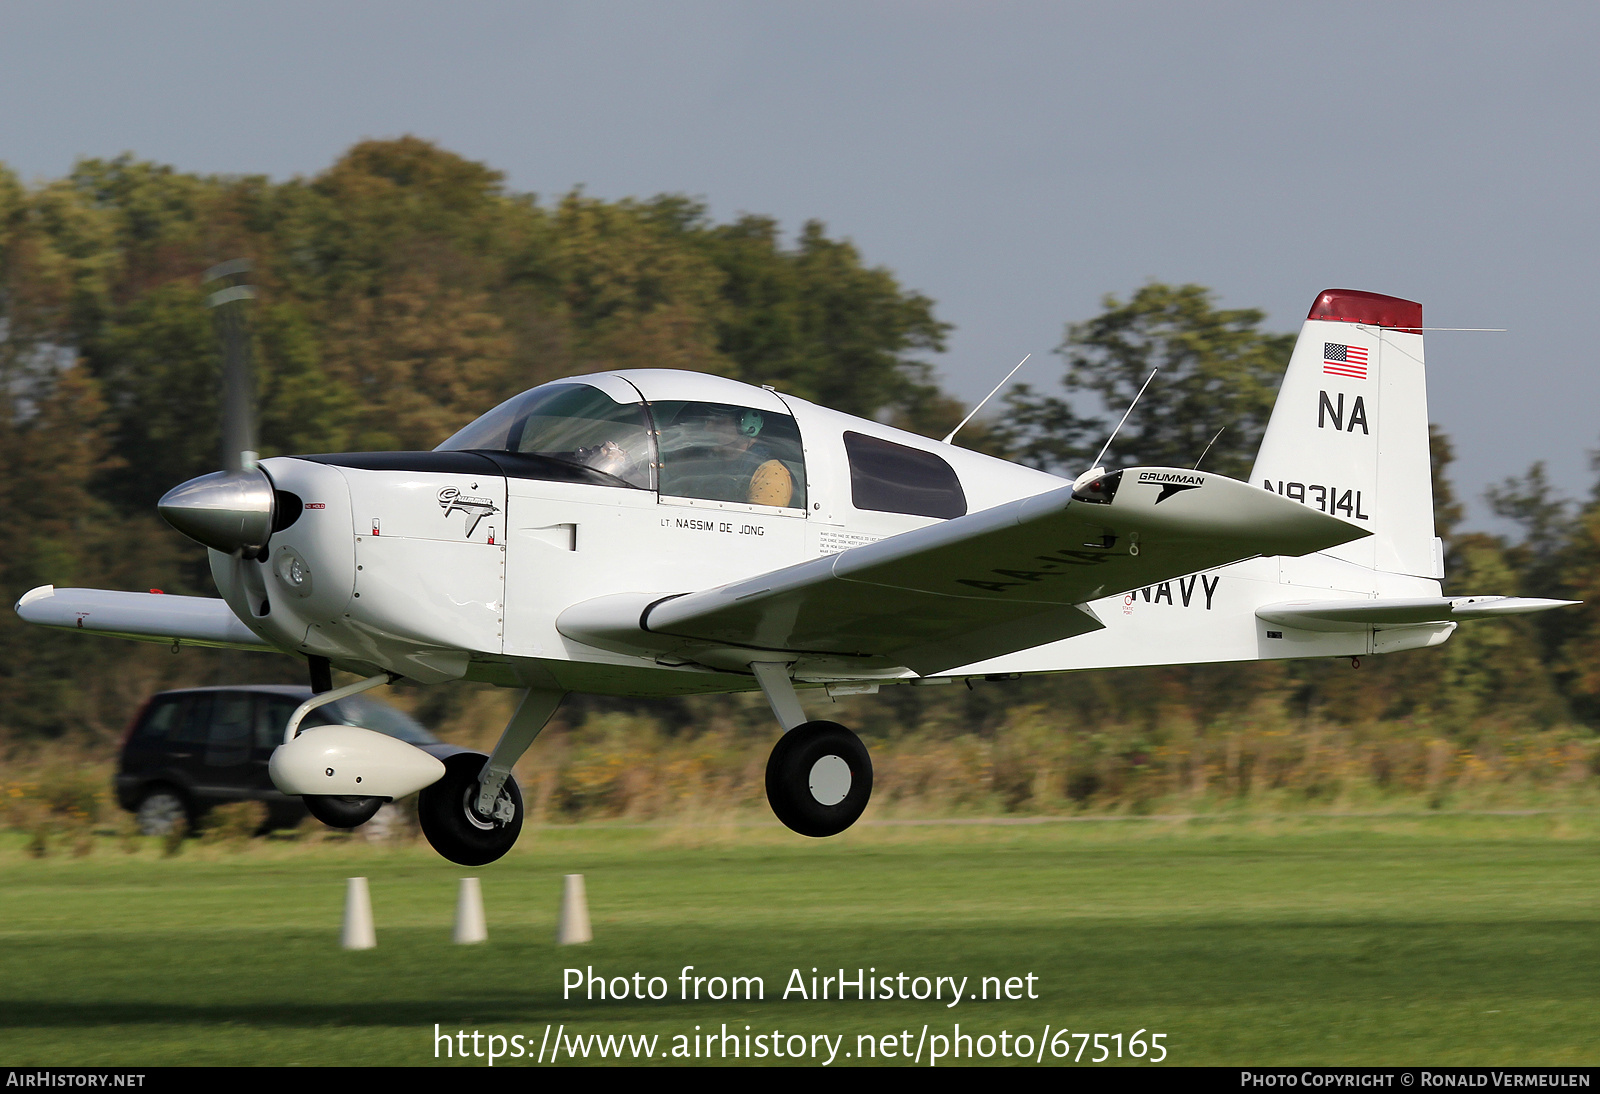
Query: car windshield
[[368, 714], [573, 423]]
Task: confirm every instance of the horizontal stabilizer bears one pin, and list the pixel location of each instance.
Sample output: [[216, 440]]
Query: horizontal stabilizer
[[1356, 615], [144, 617]]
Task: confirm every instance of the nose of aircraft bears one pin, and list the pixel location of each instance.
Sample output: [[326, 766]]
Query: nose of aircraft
[[226, 510]]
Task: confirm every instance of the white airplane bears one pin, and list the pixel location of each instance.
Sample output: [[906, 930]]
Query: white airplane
[[653, 532]]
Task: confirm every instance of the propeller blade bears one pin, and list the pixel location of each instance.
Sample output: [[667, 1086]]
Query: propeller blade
[[229, 306], [229, 510]]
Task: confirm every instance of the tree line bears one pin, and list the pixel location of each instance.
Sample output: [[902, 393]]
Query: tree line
[[406, 289]]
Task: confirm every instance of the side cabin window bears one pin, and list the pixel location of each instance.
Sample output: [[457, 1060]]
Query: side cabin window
[[893, 478], [720, 452], [572, 424]]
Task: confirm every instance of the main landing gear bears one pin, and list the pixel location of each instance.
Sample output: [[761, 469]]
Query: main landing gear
[[819, 776], [473, 815]]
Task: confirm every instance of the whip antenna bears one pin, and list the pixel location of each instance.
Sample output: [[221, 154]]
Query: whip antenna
[[985, 399], [1124, 421], [1207, 448]]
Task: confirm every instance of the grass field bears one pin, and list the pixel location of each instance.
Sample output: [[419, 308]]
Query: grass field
[[1378, 940]]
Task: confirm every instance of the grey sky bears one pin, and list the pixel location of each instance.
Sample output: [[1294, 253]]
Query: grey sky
[[1014, 161]]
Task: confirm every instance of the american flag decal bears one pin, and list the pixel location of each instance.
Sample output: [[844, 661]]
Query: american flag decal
[[1348, 361]]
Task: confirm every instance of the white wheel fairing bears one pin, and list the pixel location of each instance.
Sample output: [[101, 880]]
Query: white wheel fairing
[[830, 780], [348, 761]]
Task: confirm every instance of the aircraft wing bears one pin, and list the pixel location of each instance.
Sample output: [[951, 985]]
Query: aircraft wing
[[145, 617], [989, 583]]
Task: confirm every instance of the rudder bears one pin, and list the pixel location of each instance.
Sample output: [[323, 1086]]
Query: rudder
[[1349, 432]]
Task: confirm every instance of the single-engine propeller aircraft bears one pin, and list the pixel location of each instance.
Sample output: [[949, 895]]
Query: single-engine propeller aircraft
[[652, 532]]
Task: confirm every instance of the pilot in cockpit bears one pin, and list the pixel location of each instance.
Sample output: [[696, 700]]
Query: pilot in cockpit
[[747, 461], [714, 451], [607, 457]]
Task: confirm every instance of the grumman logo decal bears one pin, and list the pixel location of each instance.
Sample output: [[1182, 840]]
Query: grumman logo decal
[[1171, 482], [475, 509]]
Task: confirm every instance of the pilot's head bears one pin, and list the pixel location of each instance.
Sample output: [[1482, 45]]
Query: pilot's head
[[734, 427]]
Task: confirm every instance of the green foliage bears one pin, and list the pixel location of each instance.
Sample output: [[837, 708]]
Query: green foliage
[[233, 824], [1447, 510], [1557, 554], [1218, 371], [404, 291], [1545, 521], [172, 842], [822, 326], [157, 363]]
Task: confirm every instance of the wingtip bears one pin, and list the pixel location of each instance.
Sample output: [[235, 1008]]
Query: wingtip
[[1468, 606], [41, 593]]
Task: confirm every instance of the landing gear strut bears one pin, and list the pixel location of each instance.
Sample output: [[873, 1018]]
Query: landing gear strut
[[819, 776], [473, 815]]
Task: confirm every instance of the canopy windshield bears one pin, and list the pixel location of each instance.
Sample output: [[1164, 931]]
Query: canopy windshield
[[722, 452], [572, 423]]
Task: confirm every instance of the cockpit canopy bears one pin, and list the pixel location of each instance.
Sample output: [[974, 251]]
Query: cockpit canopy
[[569, 423], [684, 448]]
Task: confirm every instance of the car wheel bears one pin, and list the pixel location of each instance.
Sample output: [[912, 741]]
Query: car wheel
[[161, 811]]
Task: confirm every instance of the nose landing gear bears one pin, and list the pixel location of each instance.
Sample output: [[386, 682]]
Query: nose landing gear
[[451, 820], [473, 815]]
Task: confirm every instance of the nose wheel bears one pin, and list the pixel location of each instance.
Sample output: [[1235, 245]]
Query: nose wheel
[[450, 818], [819, 778]]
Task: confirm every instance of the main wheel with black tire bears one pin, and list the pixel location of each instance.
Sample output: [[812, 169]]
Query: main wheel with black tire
[[338, 811], [161, 810], [448, 813], [819, 778]]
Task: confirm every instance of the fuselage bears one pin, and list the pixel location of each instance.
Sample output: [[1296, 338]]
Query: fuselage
[[455, 564]]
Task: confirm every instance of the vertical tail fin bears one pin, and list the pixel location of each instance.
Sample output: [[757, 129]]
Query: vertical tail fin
[[1349, 432]]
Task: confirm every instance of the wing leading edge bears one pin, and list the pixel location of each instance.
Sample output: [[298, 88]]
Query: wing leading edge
[[146, 617], [993, 582]]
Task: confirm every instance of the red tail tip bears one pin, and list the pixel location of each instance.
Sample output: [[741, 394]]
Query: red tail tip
[[1355, 306]]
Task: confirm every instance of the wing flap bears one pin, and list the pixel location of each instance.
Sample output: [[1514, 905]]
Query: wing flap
[[974, 644], [144, 617]]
